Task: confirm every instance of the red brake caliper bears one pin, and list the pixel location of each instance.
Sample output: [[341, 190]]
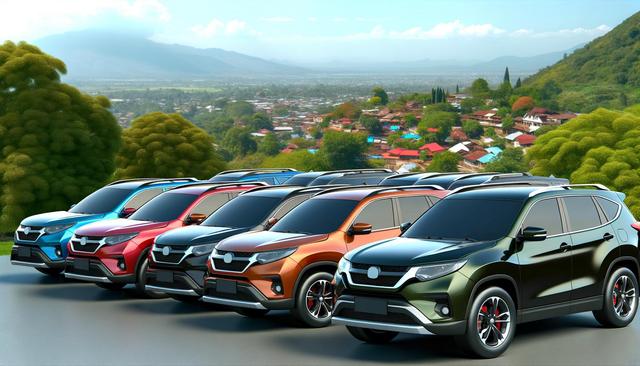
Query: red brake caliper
[[483, 310], [615, 295]]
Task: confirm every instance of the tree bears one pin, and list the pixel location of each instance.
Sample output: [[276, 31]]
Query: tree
[[239, 142], [57, 144], [522, 105], [346, 110], [372, 124], [166, 145], [239, 109], [507, 123], [269, 145], [457, 89], [410, 120], [506, 78], [375, 100], [215, 124], [445, 161], [259, 121], [473, 129], [341, 150], [480, 88], [300, 159], [382, 94], [550, 90], [441, 121], [511, 160], [518, 83]]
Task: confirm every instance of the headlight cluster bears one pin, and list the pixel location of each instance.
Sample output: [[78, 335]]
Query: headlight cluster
[[343, 266], [430, 272], [117, 239], [57, 228], [202, 249], [275, 255]]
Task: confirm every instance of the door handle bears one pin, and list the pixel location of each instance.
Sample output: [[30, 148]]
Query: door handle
[[564, 247], [607, 236]]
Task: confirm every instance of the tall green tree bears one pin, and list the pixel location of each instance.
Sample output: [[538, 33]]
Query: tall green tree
[[511, 160], [382, 94], [480, 88], [518, 83], [473, 129], [56, 143], [269, 145], [239, 109], [167, 145], [371, 123], [239, 142], [259, 121], [506, 78], [342, 150], [445, 161], [439, 120]]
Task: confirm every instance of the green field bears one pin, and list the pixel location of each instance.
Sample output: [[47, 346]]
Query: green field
[[5, 248]]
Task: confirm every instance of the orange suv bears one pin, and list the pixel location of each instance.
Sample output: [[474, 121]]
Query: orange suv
[[291, 266]]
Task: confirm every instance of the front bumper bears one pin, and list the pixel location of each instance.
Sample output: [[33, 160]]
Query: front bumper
[[241, 295], [176, 282], [95, 271], [33, 256]]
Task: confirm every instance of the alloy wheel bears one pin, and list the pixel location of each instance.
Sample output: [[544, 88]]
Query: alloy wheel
[[319, 299], [493, 322], [624, 297]]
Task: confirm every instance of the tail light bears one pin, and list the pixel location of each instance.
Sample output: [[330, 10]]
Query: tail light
[[636, 225]]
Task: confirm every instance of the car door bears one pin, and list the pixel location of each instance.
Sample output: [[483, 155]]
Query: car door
[[545, 266], [380, 214], [593, 238]]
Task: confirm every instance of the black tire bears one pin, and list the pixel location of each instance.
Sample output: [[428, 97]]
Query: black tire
[[371, 335], [185, 298], [50, 271], [111, 286], [319, 284], [141, 280], [609, 315], [499, 329], [251, 313]]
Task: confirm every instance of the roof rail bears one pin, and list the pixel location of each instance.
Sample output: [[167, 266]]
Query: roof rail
[[509, 175], [430, 187], [148, 181], [497, 185], [597, 186], [471, 175], [319, 188], [215, 185], [445, 174], [341, 188], [257, 170], [266, 186]]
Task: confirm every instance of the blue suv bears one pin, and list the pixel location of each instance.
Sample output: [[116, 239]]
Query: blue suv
[[272, 176], [41, 240]]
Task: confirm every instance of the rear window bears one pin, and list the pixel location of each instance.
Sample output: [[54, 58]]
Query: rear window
[[166, 207], [243, 211], [582, 213], [316, 216], [466, 220], [103, 200], [610, 208]]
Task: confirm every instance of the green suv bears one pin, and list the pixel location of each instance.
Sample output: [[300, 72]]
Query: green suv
[[487, 258]]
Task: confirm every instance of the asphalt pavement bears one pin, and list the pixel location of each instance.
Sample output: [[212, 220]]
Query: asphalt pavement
[[53, 321]]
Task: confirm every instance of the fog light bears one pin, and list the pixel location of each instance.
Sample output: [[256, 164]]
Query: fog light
[[121, 264], [445, 310], [58, 252], [276, 286]]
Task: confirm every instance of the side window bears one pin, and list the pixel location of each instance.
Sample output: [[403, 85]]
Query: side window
[[143, 197], [290, 204], [268, 180], [433, 200], [582, 213], [378, 213], [210, 204], [545, 214], [412, 207], [609, 208]]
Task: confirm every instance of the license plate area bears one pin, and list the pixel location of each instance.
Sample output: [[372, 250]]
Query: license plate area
[[81, 264], [164, 276], [226, 286], [370, 305], [24, 252]]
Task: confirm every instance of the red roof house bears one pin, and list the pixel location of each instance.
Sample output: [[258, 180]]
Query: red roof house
[[404, 153], [432, 148], [526, 140]]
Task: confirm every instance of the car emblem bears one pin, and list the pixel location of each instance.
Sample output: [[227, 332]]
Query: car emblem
[[373, 272], [166, 251], [83, 241], [27, 230], [228, 258]]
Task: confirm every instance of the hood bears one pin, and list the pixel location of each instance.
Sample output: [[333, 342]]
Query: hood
[[57, 218], [196, 235], [264, 241], [117, 227], [410, 252]]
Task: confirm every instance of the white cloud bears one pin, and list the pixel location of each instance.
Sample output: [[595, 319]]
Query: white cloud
[[580, 31], [439, 31], [278, 19], [217, 27], [31, 19]]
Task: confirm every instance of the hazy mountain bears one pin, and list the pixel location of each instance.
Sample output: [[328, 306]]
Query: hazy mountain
[[107, 55]]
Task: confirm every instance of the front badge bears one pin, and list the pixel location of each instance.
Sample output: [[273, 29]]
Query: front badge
[[373, 272], [228, 258]]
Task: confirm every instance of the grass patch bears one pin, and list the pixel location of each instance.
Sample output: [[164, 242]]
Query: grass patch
[[5, 248]]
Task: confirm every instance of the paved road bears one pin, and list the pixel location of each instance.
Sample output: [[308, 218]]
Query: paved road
[[46, 321]]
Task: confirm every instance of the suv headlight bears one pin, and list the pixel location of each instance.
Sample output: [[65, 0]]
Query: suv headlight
[[57, 228], [117, 239], [199, 250], [343, 266], [275, 255], [432, 271]]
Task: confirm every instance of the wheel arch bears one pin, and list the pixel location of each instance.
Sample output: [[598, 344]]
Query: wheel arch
[[622, 261], [502, 281], [328, 266]]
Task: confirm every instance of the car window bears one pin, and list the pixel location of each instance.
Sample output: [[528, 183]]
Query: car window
[[545, 214], [268, 180], [610, 208], [316, 216], [378, 213], [412, 207], [582, 213], [244, 211], [142, 197], [103, 200], [164, 207], [210, 204], [290, 204]]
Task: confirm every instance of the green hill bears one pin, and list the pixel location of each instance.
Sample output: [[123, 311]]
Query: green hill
[[605, 72]]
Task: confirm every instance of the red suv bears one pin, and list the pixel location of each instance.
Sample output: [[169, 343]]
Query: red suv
[[113, 253]]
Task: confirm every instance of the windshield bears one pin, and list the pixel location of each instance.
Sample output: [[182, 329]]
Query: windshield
[[300, 180], [443, 181], [103, 200], [165, 207], [466, 220], [316, 216], [243, 211], [226, 177]]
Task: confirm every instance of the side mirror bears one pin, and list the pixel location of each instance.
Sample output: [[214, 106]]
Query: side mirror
[[360, 228], [128, 211], [272, 221], [405, 226], [531, 233], [196, 218]]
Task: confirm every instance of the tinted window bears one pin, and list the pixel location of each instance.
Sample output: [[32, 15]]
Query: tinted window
[[412, 207], [325, 179], [290, 204], [399, 181], [165, 207], [546, 215], [466, 219], [582, 213], [143, 197], [103, 200], [443, 181], [377, 213], [300, 180], [210, 204], [227, 177], [610, 208], [244, 211], [316, 216]]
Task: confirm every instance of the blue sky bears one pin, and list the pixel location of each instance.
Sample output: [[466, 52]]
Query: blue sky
[[333, 30]]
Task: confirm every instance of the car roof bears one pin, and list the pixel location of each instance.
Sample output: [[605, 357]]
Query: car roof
[[405, 178], [242, 173], [524, 191], [359, 193], [137, 183], [204, 187], [329, 176], [285, 191]]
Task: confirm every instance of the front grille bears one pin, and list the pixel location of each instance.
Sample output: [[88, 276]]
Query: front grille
[[242, 294], [91, 243], [239, 263], [33, 235], [235, 266], [365, 267], [387, 281], [235, 254], [395, 318], [174, 257], [388, 275]]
